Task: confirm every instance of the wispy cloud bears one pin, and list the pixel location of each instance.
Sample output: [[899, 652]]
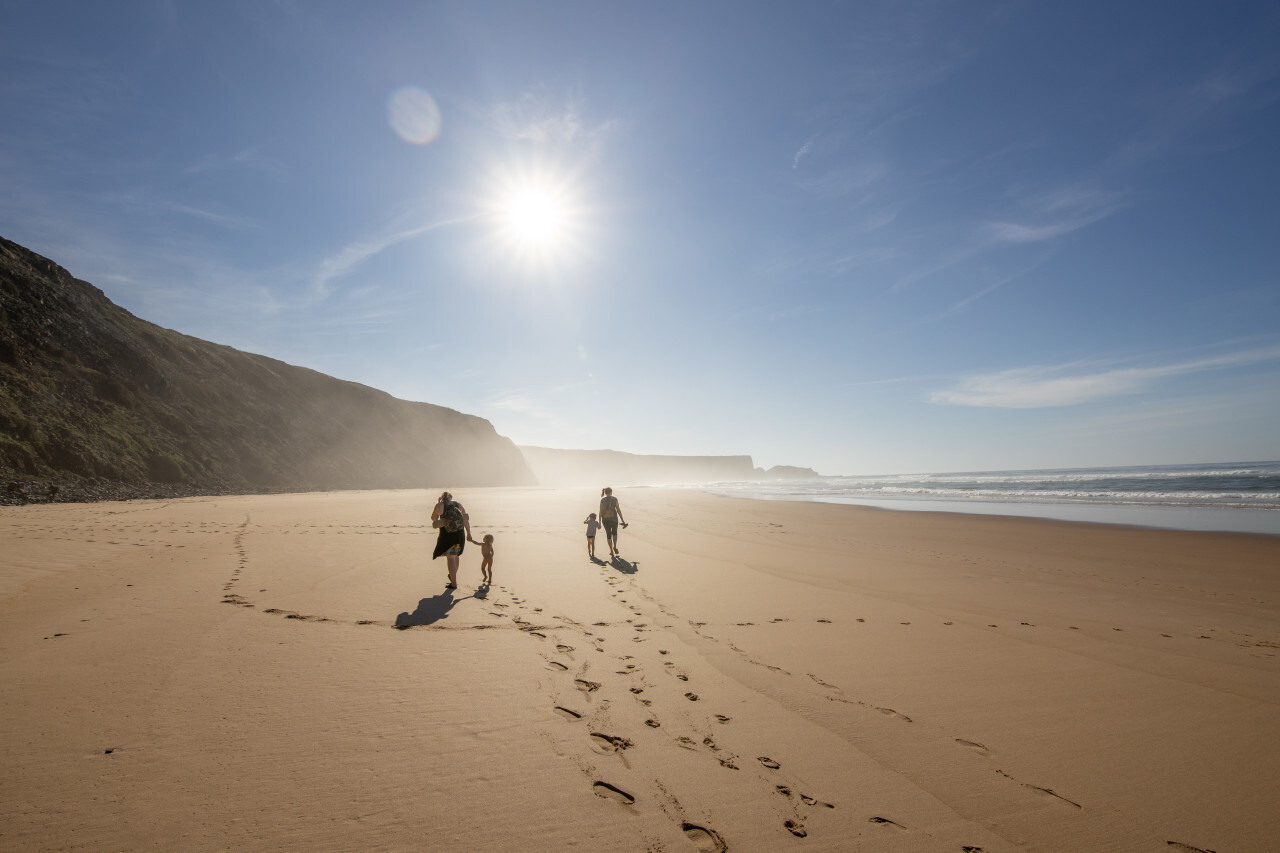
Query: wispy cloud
[[1039, 219], [246, 158], [992, 286], [1015, 232], [224, 219], [1053, 213], [532, 403], [1075, 384], [356, 253], [536, 118], [804, 149], [843, 181]]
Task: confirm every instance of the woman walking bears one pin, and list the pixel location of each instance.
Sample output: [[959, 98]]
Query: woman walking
[[610, 515], [451, 519]]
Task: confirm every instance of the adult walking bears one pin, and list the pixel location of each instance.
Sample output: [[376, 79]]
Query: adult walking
[[455, 532], [610, 516]]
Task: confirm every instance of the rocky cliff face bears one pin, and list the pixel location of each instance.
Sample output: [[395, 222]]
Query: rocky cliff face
[[90, 394]]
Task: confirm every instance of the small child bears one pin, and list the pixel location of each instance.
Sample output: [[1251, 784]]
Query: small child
[[486, 562], [592, 527]]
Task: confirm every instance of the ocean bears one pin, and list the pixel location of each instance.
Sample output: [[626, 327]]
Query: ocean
[[1241, 497]]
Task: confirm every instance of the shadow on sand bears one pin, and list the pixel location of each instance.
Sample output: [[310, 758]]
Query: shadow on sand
[[432, 610], [625, 567]]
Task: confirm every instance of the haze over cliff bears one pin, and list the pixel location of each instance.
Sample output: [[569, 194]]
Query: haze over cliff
[[92, 395], [600, 467]]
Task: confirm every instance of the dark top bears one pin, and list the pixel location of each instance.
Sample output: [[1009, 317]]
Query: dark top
[[447, 540]]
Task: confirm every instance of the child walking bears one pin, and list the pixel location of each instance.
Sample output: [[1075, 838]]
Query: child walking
[[592, 527], [486, 559]]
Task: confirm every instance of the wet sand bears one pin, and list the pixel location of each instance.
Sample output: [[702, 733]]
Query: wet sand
[[288, 672]]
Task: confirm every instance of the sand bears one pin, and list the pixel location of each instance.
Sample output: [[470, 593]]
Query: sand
[[288, 673]]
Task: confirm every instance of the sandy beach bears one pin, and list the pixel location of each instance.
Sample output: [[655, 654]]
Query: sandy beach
[[289, 673]]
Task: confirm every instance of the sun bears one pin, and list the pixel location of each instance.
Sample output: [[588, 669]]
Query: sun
[[538, 222], [535, 217]]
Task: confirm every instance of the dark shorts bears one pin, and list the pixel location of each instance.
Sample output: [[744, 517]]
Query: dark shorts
[[449, 544], [610, 526]]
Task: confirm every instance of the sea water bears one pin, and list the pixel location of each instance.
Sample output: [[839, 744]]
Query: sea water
[[1241, 497]]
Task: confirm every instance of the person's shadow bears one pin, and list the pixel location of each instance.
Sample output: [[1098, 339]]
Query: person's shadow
[[625, 567], [432, 610]]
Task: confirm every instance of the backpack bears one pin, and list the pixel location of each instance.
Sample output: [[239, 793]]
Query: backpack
[[452, 517]]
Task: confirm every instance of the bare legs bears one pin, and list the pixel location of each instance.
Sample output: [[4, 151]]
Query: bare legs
[[453, 570]]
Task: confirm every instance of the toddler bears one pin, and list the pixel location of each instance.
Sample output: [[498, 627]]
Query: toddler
[[486, 561], [592, 527]]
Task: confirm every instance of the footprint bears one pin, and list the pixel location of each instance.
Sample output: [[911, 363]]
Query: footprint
[[795, 829], [814, 801], [567, 714], [653, 724], [563, 649], [1052, 793], [892, 713], [1178, 845], [722, 718], [636, 690], [968, 848], [692, 697], [704, 840], [609, 792], [975, 746], [768, 762], [783, 790], [556, 665], [609, 743], [886, 821], [586, 686]]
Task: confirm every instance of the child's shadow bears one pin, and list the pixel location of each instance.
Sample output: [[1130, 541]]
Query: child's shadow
[[431, 610], [625, 567]]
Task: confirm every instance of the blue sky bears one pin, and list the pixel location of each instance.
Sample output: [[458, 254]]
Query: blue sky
[[862, 237]]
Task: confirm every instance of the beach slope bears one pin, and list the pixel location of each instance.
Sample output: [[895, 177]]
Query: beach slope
[[288, 672]]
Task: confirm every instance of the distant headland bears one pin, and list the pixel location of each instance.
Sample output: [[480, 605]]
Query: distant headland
[[97, 404]]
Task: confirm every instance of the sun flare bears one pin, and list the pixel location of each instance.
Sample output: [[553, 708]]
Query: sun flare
[[538, 220], [535, 217]]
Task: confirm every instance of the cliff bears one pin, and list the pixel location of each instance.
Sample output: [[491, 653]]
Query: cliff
[[613, 467], [94, 400]]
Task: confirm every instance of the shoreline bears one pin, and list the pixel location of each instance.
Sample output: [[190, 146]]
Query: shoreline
[[1205, 518], [287, 672]]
